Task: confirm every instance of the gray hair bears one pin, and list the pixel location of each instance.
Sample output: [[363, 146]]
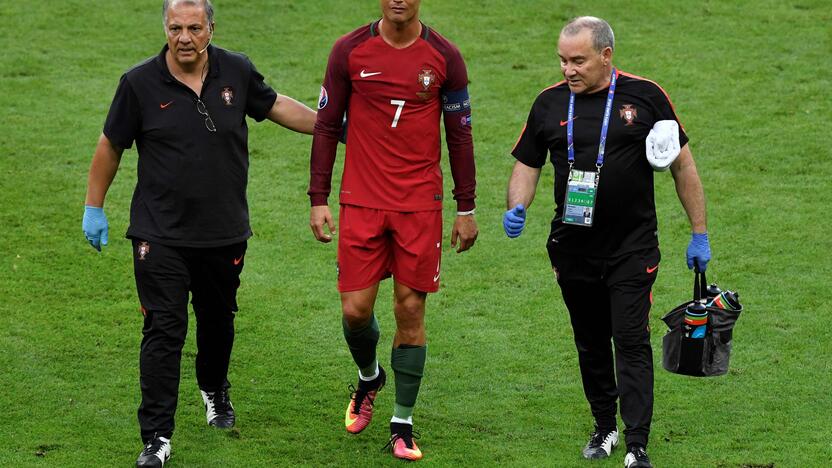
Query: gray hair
[[600, 30], [206, 4]]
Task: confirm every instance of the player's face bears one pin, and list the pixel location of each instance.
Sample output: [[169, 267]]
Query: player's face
[[188, 32], [400, 11], [586, 70]]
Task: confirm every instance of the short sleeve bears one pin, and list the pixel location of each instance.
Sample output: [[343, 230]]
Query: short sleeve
[[529, 149], [124, 118], [666, 111], [261, 96]]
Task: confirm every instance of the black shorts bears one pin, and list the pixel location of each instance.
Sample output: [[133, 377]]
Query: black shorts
[[165, 275]]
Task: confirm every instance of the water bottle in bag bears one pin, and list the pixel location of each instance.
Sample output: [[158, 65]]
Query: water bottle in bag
[[728, 300], [712, 291], [696, 320]]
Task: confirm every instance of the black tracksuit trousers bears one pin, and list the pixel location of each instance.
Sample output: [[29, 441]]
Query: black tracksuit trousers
[[165, 276], [609, 305]]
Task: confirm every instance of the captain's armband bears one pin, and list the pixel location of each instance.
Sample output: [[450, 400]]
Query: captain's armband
[[456, 101]]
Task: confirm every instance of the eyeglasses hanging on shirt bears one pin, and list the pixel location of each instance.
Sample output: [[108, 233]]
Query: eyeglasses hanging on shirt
[[209, 122]]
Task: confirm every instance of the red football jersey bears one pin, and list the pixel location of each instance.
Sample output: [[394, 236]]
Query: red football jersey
[[393, 99]]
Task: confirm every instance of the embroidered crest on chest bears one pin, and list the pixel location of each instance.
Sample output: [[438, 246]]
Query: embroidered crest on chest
[[628, 113], [426, 79]]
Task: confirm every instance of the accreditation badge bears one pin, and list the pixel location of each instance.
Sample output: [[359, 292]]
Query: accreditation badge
[[581, 190]]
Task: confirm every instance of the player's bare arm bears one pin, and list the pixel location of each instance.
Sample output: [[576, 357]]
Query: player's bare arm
[[292, 114], [689, 189], [320, 216], [465, 232]]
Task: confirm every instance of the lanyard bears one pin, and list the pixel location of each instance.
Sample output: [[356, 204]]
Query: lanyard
[[604, 127]]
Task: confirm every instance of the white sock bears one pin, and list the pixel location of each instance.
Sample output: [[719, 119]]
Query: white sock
[[402, 421], [372, 377]]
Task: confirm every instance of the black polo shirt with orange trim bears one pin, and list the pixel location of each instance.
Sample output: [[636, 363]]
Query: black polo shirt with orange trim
[[191, 187], [625, 208]]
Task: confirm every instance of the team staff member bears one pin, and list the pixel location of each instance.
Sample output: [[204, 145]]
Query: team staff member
[[603, 245], [393, 78], [186, 110]]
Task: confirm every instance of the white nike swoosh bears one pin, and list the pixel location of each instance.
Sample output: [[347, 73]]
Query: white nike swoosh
[[436, 278], [364, 74]]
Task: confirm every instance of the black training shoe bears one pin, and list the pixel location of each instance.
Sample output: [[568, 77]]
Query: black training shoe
[[637, 458], [156, 452], [601, 443], [218, 409]]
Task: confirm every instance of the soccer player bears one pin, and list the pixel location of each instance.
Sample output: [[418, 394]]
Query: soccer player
[[186, 111], [393, 78], [603, 245]]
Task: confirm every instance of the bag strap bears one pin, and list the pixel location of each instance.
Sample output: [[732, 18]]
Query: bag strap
[[700, 283]]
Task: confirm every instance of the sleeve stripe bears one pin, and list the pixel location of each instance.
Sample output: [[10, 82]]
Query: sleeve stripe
[[518, 138], [553, 86], [559, 83], [672, 107]]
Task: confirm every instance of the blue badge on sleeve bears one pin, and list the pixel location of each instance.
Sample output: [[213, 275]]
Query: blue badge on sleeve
[[323, 99]]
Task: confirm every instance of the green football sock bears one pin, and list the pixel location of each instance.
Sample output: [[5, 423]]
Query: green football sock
[[362, 343], [408, 363]]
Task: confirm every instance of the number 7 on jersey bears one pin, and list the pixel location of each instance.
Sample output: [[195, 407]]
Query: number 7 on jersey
[[399, 106]]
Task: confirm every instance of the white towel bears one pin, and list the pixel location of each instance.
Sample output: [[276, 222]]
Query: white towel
[[662, 144]]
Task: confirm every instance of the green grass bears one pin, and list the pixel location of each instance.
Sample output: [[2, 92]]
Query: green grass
[[749, 80]]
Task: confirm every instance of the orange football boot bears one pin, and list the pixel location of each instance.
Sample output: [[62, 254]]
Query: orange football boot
[[402, 442], [360, 410]]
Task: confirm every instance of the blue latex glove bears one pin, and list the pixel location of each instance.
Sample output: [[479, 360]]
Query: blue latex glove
[[514, 220], [699, 249], [95, 226]]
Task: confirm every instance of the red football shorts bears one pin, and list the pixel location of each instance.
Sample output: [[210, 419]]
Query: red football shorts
[[374, 244]]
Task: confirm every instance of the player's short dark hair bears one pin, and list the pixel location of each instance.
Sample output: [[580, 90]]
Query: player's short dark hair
[[602, 35], [209, 8]]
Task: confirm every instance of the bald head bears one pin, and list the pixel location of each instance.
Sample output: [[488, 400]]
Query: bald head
[[204, 4], [599, 30]]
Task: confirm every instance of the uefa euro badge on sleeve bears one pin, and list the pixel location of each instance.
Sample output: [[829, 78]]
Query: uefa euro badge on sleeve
[[581, 189]]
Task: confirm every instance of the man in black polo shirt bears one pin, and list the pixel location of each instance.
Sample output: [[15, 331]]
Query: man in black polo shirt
[[603, 244], [186, 110]]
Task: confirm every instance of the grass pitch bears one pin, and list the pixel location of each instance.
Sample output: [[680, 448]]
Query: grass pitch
[[749, 80]]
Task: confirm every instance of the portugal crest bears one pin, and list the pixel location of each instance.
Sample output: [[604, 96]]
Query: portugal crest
[[227, 95], [144, 249], [628, 113], [426, 79]]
